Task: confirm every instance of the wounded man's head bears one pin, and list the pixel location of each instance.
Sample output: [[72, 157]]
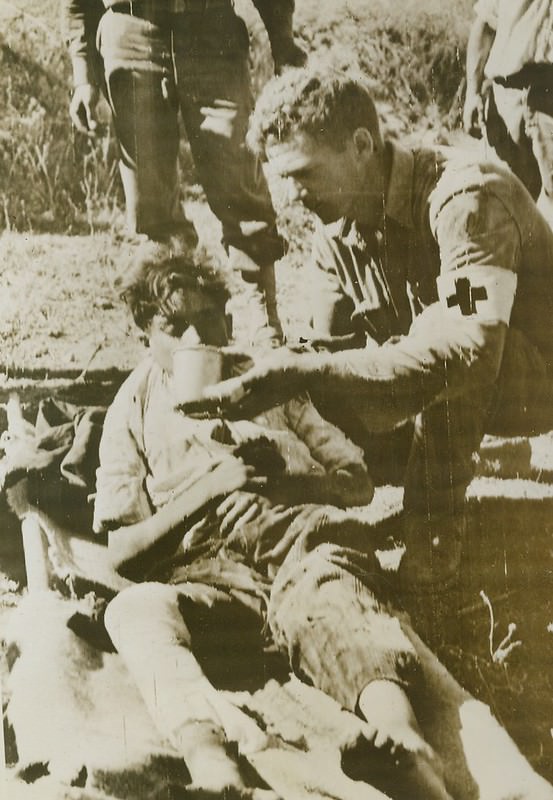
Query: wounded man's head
[[179, 295]]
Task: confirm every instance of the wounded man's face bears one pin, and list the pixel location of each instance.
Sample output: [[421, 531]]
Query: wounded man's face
[[193, 318]]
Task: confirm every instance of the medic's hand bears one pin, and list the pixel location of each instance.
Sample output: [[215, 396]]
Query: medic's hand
[[272, 381], [82, 108]]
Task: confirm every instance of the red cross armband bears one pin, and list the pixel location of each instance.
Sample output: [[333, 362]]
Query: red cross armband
[[482, 293]]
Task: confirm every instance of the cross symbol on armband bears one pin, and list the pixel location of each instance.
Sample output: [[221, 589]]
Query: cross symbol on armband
[[466, 296]]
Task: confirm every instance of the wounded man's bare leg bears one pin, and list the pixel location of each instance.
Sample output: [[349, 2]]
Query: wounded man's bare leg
[[149, 632]]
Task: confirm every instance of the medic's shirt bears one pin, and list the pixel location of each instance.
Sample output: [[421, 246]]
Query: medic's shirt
[[461, 234]]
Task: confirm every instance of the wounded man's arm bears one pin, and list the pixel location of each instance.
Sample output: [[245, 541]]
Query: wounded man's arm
[[138, 534], [342, 477], [133, 547]]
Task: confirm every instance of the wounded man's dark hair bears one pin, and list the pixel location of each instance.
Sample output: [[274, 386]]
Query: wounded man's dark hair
[[155, 284]]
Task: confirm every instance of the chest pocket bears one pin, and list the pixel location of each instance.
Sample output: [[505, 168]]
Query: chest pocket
[[376, 281]]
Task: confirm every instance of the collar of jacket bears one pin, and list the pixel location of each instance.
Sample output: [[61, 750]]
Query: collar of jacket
[[400, 187], [398, 200]]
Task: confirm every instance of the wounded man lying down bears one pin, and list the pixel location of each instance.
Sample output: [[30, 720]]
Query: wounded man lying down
[[237, 531]]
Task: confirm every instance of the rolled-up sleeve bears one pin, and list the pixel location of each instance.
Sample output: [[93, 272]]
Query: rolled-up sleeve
[[474, 228], [480, 252]]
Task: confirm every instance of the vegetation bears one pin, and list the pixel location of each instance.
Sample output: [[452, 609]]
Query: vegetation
[[50, 179]]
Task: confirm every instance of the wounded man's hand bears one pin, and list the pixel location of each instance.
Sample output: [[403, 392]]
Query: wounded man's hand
[[237, 509], [272, 381]]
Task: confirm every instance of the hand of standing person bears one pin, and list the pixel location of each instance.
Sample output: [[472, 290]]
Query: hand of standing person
[[82, 108]]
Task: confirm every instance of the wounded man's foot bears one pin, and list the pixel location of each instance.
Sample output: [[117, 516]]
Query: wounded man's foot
[[213, 764], [421, 778], [401, 774], [394, 757], [208, 757]]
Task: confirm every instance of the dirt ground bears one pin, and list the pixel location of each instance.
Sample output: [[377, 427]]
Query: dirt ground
[[59, 308]]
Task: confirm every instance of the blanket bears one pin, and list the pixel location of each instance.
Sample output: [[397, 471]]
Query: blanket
[[76, 713]]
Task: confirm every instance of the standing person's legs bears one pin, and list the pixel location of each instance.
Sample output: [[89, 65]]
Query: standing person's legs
[[507, 137], [539, 127], [140, 89], [148, 630], [213, 84]]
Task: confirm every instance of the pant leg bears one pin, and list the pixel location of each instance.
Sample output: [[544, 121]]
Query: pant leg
[[167, 636], [507, 137], [148, 631], [324, 613], [440, 467], [523, 399], [213, 84], [158, 631], [539, 128], [139, 87]]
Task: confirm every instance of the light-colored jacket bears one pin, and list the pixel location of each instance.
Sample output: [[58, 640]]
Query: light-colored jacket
[[524, 34], [149, 452]]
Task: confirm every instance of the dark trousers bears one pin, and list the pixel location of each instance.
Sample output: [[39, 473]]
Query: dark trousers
[[195, 63], [519, 127]]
